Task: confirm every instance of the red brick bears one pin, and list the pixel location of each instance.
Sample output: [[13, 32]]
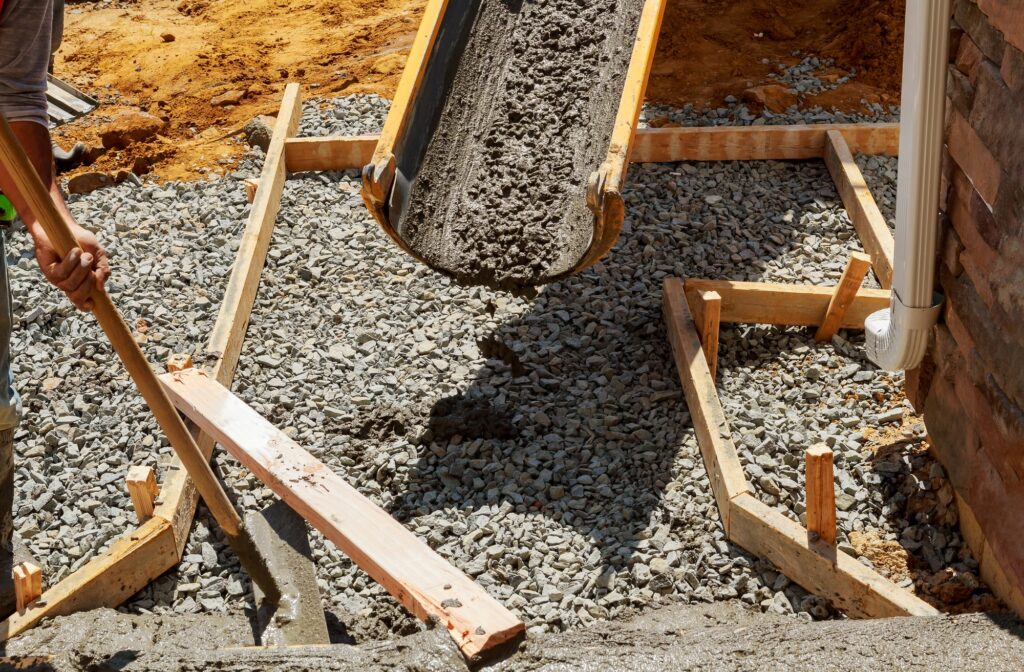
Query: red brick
[[1012, 69], [953, 439], [960, 93], [976, 25], [972, 219], [968, 58], [987, 332], [974, 159], [996, 118], [1009, 213], [951, 249], [1006, 16]]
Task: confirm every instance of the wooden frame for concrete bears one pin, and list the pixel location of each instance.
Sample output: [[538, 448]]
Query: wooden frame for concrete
[[413, 573], [156, 546], [650, 145], [871, 227], [814, 564], [139, 557]]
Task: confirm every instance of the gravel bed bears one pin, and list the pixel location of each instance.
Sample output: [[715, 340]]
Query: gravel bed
[[539, 442]]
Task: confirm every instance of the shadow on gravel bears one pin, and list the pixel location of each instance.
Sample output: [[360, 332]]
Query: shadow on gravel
[[577, 416]]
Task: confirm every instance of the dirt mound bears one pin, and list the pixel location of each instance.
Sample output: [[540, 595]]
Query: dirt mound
[[710, 49], [206, 67], [187, 61]]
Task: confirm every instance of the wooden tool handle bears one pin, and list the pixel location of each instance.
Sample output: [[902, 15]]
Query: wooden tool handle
[[34, 193]]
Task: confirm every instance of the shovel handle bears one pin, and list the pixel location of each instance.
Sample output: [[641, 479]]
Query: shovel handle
[[35, 194]]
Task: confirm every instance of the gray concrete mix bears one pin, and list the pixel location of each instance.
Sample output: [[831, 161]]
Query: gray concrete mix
[[681, 637], [500, 198]]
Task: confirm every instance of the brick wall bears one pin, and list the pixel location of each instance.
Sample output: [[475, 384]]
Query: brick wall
[[971, 385]]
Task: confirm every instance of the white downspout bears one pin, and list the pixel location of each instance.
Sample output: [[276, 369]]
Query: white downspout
[[897, 338]]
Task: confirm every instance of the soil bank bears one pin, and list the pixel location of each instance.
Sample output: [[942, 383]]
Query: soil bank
[[500, 198]]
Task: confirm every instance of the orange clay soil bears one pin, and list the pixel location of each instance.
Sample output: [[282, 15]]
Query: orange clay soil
[[709, 49], [171, 57]]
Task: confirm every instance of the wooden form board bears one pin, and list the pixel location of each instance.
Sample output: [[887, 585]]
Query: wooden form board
[[713, 436], [142, 555], [759, 143], [344, 152], [425, 583], [771, 303], [870, 224], [817, 566], [651, 145]]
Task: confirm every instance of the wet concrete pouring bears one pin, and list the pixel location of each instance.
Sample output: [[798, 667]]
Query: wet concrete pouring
[[501, 195]]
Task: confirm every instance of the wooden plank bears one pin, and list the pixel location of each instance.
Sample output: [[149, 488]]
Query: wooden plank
[[713, 436], [853, 275], [180, 497], [229, 330], [653, 145], [759, 143], [28, 584], [821, 493], [142, 488], [818, 567], [108, 580], [867, 219], [334, 153], [409, 569], [770, 303], [707, 315]]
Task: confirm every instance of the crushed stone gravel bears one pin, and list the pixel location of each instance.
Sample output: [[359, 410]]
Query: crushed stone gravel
[[538, 442]]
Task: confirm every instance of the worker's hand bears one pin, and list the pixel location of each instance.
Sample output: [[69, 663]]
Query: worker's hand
[[80, 271]]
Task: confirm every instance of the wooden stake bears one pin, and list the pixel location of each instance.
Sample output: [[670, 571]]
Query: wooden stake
[[28, 584], [707, 315], [250, 189], [143, 489], [179, 361], [853, 275], [821, 494]]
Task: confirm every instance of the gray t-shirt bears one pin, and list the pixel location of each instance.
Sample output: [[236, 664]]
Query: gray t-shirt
[[29, 32]]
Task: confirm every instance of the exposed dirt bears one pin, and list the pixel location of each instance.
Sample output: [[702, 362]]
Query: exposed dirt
[[173, 57], [710, 49], [925, 499]]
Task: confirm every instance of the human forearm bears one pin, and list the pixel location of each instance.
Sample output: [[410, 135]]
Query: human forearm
[[35, 141], [85, 266]]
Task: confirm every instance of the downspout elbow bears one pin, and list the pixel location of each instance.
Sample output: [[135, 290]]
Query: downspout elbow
[[897, 338]]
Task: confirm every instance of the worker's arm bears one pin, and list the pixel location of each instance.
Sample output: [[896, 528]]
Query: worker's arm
[[85, 266], [26, 38]]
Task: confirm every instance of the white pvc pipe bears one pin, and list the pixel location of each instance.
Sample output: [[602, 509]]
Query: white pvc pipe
[[898, 337]]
